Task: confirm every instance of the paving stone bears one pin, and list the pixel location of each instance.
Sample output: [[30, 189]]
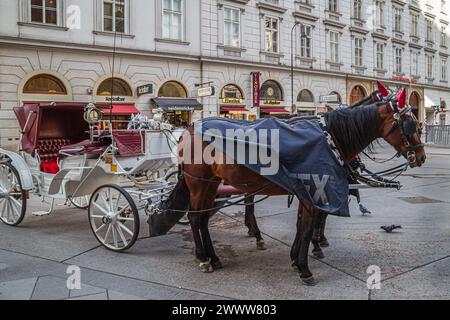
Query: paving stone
[[17, 289]]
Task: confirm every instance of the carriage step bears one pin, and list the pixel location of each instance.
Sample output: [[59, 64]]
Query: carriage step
[[40, 213]]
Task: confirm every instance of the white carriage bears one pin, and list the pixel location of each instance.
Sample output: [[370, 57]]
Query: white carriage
[[66, 156]]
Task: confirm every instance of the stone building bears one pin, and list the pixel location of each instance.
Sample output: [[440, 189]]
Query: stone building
[[62, 50]]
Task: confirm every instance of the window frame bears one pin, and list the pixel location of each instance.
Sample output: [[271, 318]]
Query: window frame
[[398, 60], [43, 7], [182, 15], [306, 42], [379, 63], [357, 10], [224, 21], [272, 18], [444, 69], [359, 49], [336, 46], [430, 66], [125, 16]]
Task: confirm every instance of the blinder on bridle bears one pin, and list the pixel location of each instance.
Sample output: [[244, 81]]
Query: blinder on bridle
[[407, 127]]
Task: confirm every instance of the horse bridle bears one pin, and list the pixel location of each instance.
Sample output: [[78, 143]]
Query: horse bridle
[[407, 127]]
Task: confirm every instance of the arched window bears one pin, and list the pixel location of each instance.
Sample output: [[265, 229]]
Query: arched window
[[338, 96], [305, 96], [44, 84], [118, 87], [271, 90], [172, 89], [231, 93], [414, 100], [357, 94]]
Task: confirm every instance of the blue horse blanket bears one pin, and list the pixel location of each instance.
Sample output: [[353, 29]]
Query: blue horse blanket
[[294, 154]]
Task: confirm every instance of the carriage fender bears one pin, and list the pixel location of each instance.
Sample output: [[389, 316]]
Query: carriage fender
[[22, 168]]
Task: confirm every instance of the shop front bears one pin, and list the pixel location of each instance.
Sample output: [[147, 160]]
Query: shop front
[[331, 101], [305, 103], [115, 98], [272, 100], [232, 104], [174, 101]]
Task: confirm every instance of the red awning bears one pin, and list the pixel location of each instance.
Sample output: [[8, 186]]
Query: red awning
[[237, 108], [274, 110], [121, 109]]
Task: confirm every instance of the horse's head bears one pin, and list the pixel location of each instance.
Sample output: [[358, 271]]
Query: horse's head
[[402, 130]]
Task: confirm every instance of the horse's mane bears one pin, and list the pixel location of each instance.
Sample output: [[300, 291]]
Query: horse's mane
[[355, 129]]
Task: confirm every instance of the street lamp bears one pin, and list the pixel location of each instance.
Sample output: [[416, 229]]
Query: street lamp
[[292, 63]]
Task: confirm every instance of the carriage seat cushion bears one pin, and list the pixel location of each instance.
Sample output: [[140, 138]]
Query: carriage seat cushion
[[48, 149], [84, 147], [129, 142]]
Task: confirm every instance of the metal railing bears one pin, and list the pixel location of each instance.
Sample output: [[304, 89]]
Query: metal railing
[[438, 135]]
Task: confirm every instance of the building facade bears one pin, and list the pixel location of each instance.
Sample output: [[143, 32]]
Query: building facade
[[62, 50]]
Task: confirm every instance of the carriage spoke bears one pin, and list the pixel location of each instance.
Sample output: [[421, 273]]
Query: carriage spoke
[[107, 234], [105, 202], [100, 228], [119, 231], [97, 216], [117, 202], [14, 208], [121, 225], [114, 236], [100, 208]]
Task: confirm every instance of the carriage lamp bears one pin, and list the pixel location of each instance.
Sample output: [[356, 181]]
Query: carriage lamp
[[92, 114]]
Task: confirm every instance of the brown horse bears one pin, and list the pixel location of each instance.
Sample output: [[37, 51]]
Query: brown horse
[[352, 129], [318, 240]]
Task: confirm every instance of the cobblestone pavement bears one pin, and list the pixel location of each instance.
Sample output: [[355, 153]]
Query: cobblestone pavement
[[414, 261]]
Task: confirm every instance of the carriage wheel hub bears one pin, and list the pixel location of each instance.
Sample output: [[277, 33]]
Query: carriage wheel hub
[[107, 219]]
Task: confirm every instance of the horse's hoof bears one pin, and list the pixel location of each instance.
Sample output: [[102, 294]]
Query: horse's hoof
[[309, 281], [216, 265], [206, 267], [318, 254], [260, 245], [324, 243]]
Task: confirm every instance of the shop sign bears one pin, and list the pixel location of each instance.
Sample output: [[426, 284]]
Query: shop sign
[[206, 91], [255, 88], [232, 100], [114, 99], [403, 79], [272, 102], [145, 89], [329, 98], [180, 108]]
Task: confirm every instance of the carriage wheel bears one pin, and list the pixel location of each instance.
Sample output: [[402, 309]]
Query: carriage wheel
[[13, 200], [80, 202], [114, 218]]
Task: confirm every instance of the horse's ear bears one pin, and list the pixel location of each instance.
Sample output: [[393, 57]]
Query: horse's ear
[[382, 89], [401, 99]]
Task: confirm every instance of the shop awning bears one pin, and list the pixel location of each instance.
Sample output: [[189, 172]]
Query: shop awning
[[274, 110], [237, 108], [121, 109], [170, 104]]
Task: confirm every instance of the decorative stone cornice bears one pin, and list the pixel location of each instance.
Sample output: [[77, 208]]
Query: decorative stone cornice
[[271, 7], [305, 16], [333, 23]]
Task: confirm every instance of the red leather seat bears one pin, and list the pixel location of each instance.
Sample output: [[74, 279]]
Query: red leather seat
[[48, 151]]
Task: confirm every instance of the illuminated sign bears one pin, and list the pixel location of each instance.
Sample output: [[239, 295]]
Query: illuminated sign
[[232, 100], [145, 89], [270, 101]]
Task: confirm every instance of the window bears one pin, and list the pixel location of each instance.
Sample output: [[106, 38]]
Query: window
[[443, 69], [271, 32], [273, 1], [430, 72], [398, 59], [231, 94], [44, 11], [379, 13], [333, 5], [44, 84], [114, 15], [443, 6], [414, 25], [305, 41], [334, 46], [232, 27], [380, 55], [172, 22], [357, 9], [305, 96], [271, 90], [429, 36], [172, 89], [114, 86], [397, 20], [414, 63], [358, 52], [443, 37]]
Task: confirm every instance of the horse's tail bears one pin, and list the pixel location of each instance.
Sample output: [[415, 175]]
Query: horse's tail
[[171, 210]]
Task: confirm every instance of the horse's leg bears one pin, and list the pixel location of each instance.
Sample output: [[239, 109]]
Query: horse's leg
[[208, 244], [323, 220], [308, 218], [252, 225], [295, 249], [317, 251], [200, 252]]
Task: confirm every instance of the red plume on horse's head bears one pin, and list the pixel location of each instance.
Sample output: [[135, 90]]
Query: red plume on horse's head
[[382, 89], [401, 99]]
